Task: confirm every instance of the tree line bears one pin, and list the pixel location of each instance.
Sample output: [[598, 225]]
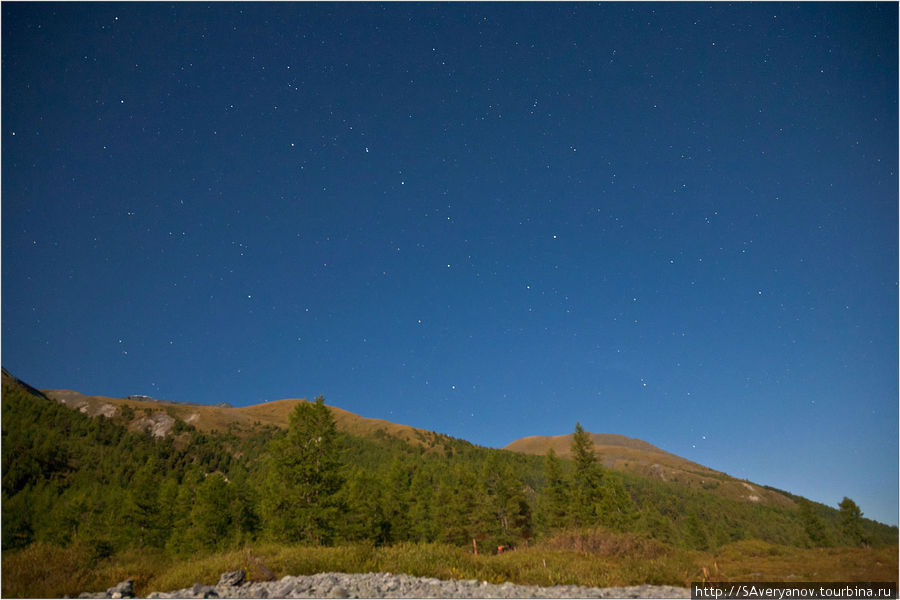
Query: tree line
[[71, 479]]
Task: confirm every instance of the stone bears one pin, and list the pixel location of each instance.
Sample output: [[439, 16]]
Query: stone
[[369, 585], [123, 589], [204, 591], [232, 578]]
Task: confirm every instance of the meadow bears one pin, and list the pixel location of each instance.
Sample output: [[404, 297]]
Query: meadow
[[588, 558]]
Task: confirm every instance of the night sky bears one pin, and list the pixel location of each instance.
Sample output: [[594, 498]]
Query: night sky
[[677, 222]]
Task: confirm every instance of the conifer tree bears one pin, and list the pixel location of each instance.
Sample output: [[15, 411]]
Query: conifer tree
[[458, 506], [505, 512], [812, 525], [555, 499], [653, 522], [364, 517], [695, 533], [583, 452], [615, 508], [211, 523], [396, 501], [421, 506], [587, 480], [168, 494], [143, 506], [851, 520], [181, 541], [299, 501], [243, 507]]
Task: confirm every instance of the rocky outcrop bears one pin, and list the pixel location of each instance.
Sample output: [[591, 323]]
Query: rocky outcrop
[[158, 424], [106, 410]]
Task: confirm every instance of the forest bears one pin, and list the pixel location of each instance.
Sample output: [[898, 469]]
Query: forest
[[72, 480]]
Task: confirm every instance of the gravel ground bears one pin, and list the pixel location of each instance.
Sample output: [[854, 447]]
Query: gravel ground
[[386, 585]]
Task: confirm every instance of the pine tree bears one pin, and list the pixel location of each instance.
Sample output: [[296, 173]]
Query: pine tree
[[505, 513], [587, 480], [168, 494], [421, 506], [458, 504], [555, 498], [812, 525], [396, 501], [695, 533], [211, 522], [583, 453], [364, 517], [300, 503], [655, 524], [851, 521], [615, 508], [243, 508], [181, 540], [143, 506]]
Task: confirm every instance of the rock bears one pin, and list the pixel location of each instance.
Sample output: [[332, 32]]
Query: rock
[[381, 585], [204, 591], [339, 592], [106, 410], [232, 578], [123, 589]]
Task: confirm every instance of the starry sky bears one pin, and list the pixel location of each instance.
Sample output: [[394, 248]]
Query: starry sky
[[677, 222]]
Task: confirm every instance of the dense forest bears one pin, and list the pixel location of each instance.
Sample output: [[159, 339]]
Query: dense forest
[[71, 479]]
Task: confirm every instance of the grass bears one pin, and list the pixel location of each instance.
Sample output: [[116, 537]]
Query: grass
[[277, 413], [593, 558], [754, 560]]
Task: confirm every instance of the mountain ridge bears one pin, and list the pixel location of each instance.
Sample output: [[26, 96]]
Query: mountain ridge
[[639, 457], [206, 417], [615, 451]]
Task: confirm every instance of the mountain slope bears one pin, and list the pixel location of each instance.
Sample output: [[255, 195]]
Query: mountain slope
[[75, 485], [222, 418], [641, 458], [615, 451]]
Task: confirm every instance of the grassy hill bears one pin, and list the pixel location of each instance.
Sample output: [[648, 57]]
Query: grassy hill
[[616, 452], [646, 460], [241, 420]]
